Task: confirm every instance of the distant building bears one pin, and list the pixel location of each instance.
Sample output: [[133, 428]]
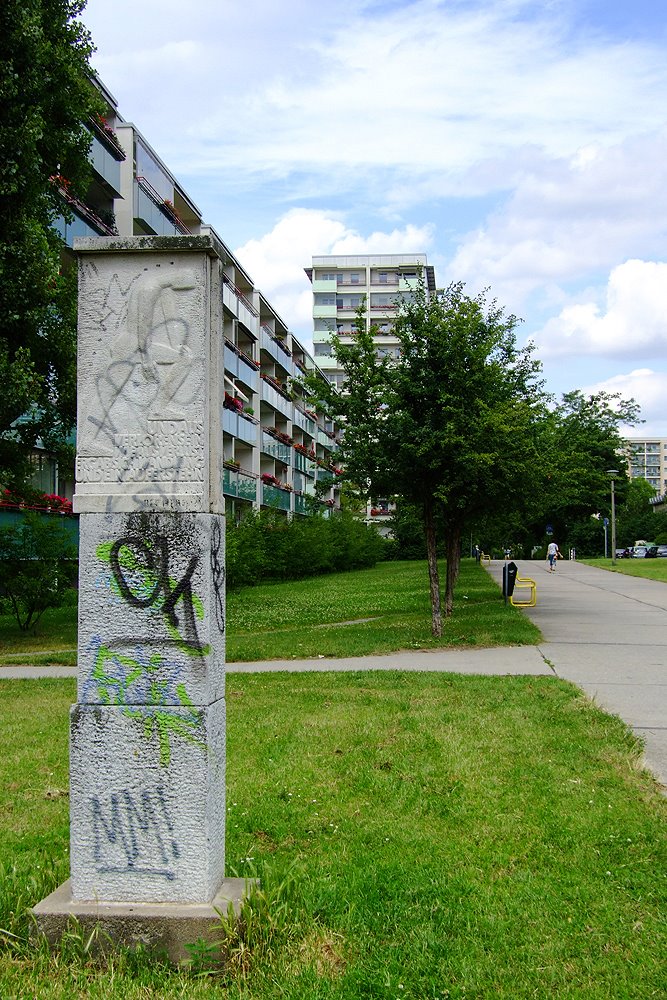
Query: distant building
[[647, 459], [342, 283]]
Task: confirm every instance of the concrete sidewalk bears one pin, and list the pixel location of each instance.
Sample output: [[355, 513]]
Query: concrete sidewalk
[[607, 632], [604, 631]]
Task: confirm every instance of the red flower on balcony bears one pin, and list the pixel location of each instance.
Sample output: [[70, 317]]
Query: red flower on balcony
[[270, 480], [232, 403]]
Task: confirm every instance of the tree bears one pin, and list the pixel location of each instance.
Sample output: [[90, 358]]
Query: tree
[[45, 100], [636, 517], [37, 566], [450, 426], [580, 442]]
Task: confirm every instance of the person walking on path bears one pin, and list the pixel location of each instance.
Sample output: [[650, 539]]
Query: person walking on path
[[553, 553]]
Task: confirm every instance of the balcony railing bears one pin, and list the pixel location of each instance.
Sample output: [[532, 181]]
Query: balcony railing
[[107, 136], [306, 423], [80, 207], [300, 504], [390, 280], [283, 347], [302, 463], [240, 484], [240, 426], [238, 365], [164, 205], [240, 296], [274, 496], [277, 449]]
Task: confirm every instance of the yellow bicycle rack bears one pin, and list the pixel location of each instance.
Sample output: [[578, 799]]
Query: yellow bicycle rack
[[524, 583]]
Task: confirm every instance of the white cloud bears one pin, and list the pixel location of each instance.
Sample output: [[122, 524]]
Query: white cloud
[[571, 217], [633, 322], [276, 261], [418, 89], [649, 389]]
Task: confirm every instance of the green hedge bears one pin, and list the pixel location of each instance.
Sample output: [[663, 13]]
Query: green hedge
[[266, 546]]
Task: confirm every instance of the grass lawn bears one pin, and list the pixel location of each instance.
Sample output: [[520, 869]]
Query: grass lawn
[[651, 569], [418, 836], [309, 618]]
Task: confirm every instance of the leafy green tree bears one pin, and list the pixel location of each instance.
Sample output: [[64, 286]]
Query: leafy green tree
[[37, 566], [636, 517], [450, 426], [45, 100], [580, 442]]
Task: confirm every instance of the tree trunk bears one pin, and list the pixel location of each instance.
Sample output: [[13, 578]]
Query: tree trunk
[[433, 576], [453, 549]]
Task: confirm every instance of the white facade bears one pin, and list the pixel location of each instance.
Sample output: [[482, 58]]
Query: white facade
[[341, 284], [647, 459]]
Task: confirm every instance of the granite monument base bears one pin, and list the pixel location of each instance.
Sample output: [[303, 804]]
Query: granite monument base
[[163, 928]]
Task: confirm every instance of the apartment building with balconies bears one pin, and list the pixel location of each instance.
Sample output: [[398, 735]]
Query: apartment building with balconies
[[647, 459], [279, 447], [343, 283], [378, 282]]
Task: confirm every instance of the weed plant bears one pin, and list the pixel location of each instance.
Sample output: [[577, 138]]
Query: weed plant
[[419, 836]]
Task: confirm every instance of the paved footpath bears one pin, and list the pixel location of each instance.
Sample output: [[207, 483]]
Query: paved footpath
[[605, 631]]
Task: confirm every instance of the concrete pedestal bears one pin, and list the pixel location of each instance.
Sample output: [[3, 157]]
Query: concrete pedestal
[[165, 928], [147, 735]]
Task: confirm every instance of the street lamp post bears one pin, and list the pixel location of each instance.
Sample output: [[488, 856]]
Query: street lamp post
[[612, 473]]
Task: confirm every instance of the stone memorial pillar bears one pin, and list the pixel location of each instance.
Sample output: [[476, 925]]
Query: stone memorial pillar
[[147, 735]]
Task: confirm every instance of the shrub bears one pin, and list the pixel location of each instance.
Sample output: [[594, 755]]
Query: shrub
[[37, 566], [267, 546]]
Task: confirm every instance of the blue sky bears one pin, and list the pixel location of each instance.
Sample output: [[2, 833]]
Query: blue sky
[[522, 145]]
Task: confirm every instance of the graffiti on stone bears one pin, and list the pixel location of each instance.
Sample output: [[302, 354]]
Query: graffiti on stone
[[149, 692], [218, 574], [139, 423], [141, 578], [134, 833]]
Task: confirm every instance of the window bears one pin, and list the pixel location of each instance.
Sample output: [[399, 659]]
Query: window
[[325, 299], [322, 350], [354, 278]]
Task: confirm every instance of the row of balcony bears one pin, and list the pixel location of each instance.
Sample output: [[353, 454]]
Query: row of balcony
[[247, 429], [237, 363], [242, 485], [402, 283]]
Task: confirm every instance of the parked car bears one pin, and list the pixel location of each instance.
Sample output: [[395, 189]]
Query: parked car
[[645, 551], [623, 553], [662, 552]]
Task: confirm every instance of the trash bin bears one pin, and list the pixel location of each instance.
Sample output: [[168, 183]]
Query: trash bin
[[510, 571]]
